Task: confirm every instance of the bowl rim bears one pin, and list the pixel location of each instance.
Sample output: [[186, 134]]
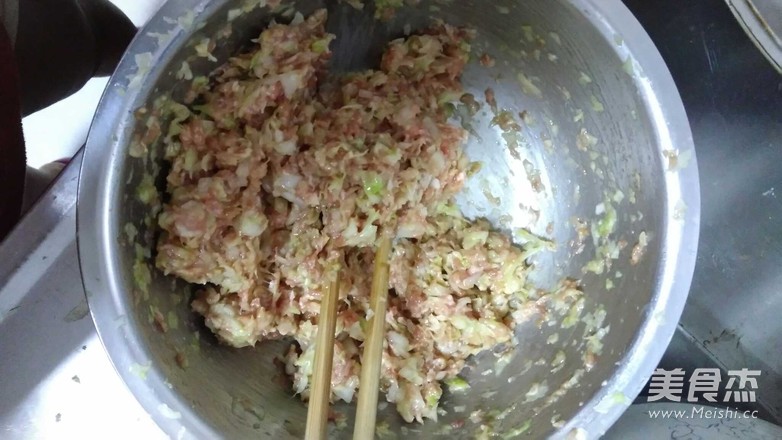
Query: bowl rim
[[97, 238], [681, 223]]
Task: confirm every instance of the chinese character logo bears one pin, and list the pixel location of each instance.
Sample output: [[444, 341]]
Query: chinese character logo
[[704, 383], [744, 391], [666, 385]]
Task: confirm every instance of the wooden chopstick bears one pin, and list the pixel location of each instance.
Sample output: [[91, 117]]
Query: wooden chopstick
[[366, 411], [320, 391]]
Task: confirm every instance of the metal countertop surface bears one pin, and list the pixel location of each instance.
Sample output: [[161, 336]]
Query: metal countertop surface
[[733, 98], [57, 381]]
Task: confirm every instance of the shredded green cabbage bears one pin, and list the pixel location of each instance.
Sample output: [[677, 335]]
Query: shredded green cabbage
[[457, 385], [146, 190], [516, 432]]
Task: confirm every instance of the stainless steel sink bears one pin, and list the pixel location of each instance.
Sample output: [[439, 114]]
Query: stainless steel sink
[[733, 98]]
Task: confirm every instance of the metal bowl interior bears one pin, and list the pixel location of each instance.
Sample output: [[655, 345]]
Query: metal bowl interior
[[572, 66]]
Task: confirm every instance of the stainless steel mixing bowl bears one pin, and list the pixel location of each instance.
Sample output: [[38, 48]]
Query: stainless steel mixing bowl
[[603, 127]]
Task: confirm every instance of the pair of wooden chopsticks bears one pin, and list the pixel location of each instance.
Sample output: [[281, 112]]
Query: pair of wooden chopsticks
[[366, 412]]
